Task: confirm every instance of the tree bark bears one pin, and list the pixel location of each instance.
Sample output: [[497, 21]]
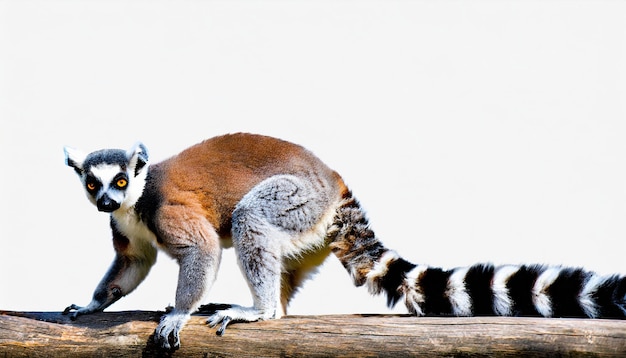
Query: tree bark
[[117, 334]]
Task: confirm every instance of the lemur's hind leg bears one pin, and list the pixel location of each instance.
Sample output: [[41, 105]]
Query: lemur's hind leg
[[273, 223]]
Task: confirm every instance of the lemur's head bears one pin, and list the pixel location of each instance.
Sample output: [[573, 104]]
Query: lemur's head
[[112, 178]]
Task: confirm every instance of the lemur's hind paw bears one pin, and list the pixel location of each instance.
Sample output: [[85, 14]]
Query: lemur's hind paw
[[212, 309], [222, 328], [220, 316], [235, 313]]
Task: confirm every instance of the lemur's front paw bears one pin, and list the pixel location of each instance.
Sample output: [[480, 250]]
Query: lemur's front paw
[[74, 311], [96, 305], [167, 333]]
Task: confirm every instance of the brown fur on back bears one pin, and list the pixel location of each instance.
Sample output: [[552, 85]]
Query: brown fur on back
[[215, 174]]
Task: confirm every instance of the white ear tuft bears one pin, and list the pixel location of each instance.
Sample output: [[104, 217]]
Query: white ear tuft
[[137, 157], [75, 159]]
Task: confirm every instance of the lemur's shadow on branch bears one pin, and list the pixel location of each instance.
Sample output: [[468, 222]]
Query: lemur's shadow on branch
[[109, 319], [99, 320]]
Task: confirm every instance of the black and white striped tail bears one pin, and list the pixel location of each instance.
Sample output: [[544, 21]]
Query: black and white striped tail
[[479, 290]]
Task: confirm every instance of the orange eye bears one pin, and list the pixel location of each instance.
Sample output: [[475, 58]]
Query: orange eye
[[91, 186], [121, 183]]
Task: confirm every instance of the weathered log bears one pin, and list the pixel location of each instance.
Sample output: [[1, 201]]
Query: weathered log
[[116, 334]]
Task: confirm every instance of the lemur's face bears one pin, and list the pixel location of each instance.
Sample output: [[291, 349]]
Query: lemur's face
[[112, 178]]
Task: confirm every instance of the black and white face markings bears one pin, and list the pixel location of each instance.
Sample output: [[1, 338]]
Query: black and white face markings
[[106, 179], [111, 177]]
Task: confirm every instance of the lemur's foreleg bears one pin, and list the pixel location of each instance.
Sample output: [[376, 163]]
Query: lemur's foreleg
[[126, 272], [190, 239]]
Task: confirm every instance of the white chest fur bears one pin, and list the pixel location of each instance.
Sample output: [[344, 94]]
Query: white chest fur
[[130, 225]]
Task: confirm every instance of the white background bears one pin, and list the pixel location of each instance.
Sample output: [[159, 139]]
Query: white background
[[470, 130]]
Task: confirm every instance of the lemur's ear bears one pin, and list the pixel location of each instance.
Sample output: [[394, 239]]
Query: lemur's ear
[[74, 158], [137, 157]]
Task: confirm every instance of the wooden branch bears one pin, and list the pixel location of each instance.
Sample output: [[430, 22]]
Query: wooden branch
[[115, 334]]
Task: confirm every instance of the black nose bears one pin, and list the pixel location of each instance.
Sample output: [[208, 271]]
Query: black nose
[[107, 205]]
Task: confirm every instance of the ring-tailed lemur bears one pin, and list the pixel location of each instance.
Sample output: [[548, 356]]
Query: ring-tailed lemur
[[285, 211]]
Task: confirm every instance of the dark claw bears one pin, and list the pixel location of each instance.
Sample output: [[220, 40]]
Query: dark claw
[[225, 322], [72, 310], [175, 342], [171, 343]]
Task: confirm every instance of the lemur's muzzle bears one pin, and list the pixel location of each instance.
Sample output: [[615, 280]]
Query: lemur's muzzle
[[106, 204]]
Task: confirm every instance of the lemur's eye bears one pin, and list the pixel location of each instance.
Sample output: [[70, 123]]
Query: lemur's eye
[[92, 184], [121, 182]]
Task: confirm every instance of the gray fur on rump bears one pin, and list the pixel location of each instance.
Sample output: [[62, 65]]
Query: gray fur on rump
[[270, 223]]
